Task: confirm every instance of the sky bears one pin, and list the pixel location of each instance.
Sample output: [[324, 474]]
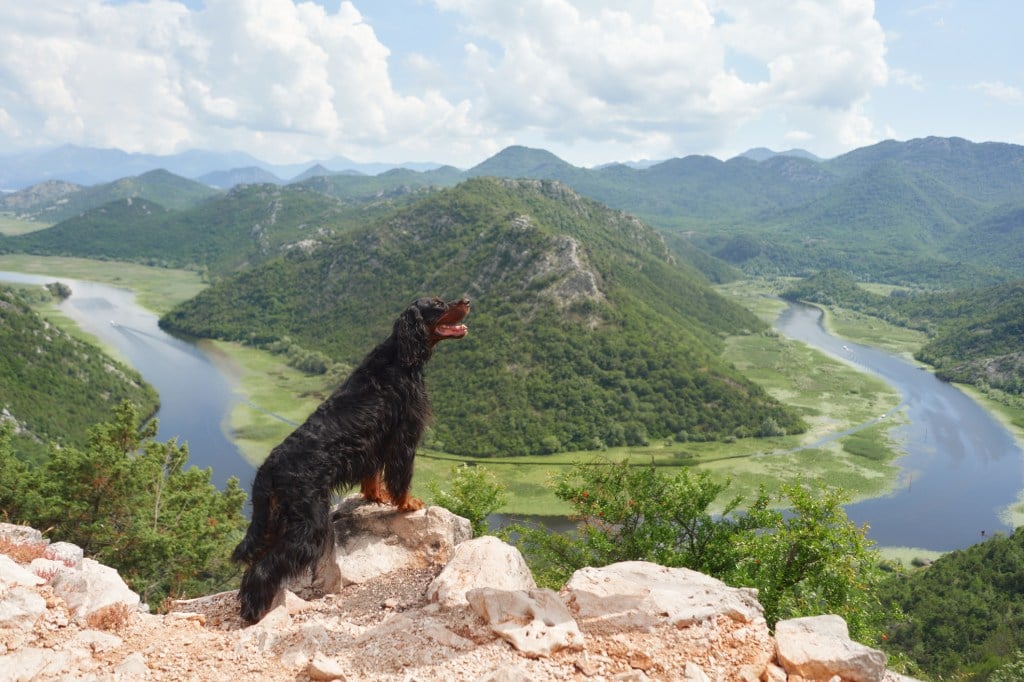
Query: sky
[[456, 81]]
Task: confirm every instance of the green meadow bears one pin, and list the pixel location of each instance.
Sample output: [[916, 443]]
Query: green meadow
[[12, 227]]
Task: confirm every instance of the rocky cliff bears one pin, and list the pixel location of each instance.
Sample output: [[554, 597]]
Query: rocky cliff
[[410, 597]]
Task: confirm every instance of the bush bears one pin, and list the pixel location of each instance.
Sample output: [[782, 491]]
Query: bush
[[475, 494], [810, 561]]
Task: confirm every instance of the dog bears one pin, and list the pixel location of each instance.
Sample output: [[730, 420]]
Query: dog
[[366, 432]]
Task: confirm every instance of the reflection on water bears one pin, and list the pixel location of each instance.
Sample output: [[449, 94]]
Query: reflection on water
[[195, 396], [961, 465]]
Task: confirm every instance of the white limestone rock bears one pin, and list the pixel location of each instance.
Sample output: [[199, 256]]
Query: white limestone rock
[[535, 622], [481, 562], [638, 595], [819, 648]]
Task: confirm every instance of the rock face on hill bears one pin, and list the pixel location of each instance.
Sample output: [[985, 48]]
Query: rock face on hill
[[410, 597]]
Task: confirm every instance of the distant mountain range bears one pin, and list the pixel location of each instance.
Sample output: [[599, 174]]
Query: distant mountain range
[[932, 211], [90, 166], [223, 170]]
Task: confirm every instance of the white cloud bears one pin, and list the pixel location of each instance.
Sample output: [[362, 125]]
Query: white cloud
[[658, 72], [272, 77], [1003, 92], [289, 81]]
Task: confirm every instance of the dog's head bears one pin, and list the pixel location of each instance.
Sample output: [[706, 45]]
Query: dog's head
[[426, 322]]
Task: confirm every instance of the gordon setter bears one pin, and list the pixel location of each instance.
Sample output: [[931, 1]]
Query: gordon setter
[[366, 432]]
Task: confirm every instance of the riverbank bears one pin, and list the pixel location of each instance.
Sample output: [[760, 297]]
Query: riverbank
[[833, 395]]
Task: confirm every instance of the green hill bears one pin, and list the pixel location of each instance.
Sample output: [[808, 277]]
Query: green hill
[[54, 386], [159, 187], [244, 226], [584, 331]]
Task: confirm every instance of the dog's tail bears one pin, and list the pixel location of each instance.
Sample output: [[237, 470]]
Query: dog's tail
[[251, 546]]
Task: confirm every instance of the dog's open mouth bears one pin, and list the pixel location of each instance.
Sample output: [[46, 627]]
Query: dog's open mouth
[[449, 325]]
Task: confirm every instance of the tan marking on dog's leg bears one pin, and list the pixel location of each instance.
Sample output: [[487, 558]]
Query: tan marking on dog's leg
[[373, 489]]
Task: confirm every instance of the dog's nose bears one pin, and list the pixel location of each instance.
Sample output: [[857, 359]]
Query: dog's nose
[[464, 300]]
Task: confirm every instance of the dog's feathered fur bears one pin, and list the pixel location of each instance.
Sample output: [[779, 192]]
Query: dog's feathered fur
[[366, 432]]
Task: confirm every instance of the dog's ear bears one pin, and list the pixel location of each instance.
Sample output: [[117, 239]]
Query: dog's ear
[[413, 338]]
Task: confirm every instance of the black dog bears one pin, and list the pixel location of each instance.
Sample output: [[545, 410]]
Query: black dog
[[366, 432]]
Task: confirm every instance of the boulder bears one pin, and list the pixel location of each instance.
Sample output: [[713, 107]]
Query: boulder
[[535, 622], [481, 562], [11, 574], [20, 610], [373, 539], [820, 648], [92, 588], [638, 595]]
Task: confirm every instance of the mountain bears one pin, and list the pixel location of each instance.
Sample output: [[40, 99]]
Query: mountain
[[585, 331], [42, 367], [763, 154], [54, 201], [250, 175], [246, 225], [90, 166], [35, 199]]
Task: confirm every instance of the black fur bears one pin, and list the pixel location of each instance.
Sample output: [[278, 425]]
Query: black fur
[[366, 432]]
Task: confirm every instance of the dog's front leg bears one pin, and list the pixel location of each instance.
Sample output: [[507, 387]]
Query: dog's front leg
[[373, 489]]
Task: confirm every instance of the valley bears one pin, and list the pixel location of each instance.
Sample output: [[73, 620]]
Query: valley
[[833, 397]]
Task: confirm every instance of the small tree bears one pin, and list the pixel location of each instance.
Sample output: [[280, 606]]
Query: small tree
[[475, 493], [808, 562], [129, 502]]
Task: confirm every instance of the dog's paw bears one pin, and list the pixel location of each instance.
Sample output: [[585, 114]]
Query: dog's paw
[[410, 504]]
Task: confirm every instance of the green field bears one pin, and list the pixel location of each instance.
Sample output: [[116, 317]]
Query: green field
[[158, 289], [11, 226]]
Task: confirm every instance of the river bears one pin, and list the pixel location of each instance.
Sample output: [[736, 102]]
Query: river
[[960, 469], [196, 396], [961, 466]]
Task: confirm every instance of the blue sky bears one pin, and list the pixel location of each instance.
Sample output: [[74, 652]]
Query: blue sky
[[455, 81]]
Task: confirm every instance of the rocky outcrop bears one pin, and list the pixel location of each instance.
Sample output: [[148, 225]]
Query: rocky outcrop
[[410, 596]]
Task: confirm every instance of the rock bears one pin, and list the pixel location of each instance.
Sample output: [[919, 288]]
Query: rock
[[12, 574], [264, 634], [535, 622], [324, 668], [33, 663], [819, 647], [637, 595], [482, 562], [20, 610], [70, 555], [374, 539], [92, 588], [21, 535], [507, 673], [693, 673], [133, 667]]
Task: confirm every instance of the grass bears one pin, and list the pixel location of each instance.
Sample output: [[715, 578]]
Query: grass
[[158, 289], [12, 227], [873, 331]]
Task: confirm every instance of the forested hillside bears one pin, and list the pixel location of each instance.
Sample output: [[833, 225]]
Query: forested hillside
[[584, 332], [53, 386], [976, 336], [244, 226], [965, 613]]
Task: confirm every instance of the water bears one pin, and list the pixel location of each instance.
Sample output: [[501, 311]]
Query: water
[[196, 397], [960, 469], [961, 465]]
